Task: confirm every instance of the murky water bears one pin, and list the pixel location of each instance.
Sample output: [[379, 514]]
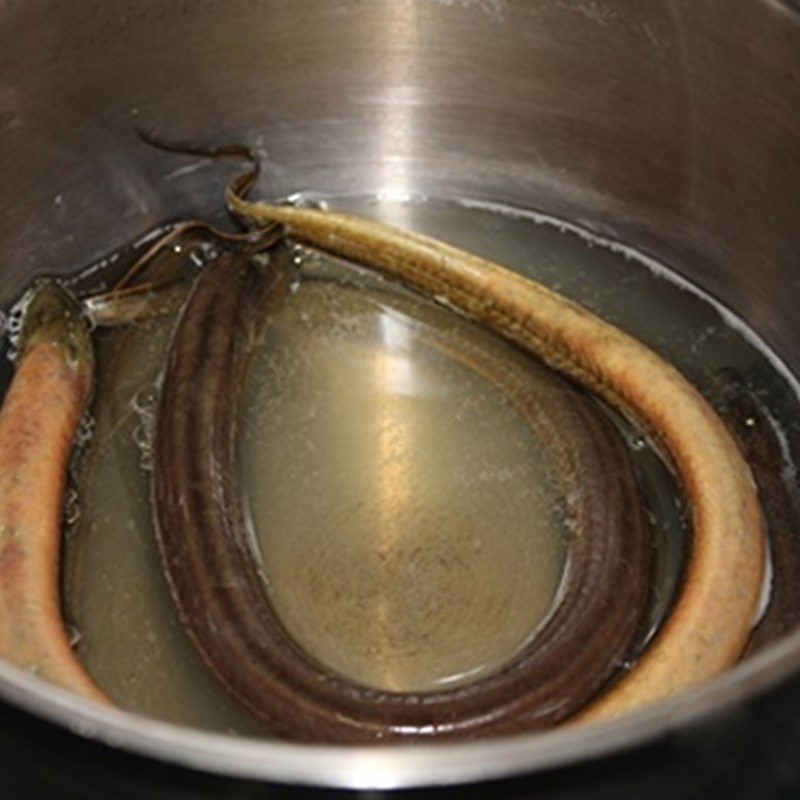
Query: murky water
[[410, 530], [408, 522]]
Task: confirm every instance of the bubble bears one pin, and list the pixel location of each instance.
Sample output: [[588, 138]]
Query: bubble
[[85, 430], [72, 507], [144, 404], [13, 326]]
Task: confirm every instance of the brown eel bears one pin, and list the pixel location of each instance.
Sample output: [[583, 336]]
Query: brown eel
[[223, 598]]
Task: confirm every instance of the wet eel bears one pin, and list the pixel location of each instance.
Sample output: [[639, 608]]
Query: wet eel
[[717, 604], [223, 597], [40, 414]]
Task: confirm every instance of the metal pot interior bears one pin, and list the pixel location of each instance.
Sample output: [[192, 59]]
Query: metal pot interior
[[672, 126]]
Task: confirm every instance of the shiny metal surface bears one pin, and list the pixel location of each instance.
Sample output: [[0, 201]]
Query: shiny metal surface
[[672, 125], [393, 767]]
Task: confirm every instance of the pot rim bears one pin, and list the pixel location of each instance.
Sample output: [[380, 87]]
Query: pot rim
[[394, 766]]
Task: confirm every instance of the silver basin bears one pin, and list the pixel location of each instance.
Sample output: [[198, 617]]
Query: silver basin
[[672, 125]]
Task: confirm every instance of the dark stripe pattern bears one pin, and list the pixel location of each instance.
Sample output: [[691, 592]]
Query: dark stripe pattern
[[222, 596]]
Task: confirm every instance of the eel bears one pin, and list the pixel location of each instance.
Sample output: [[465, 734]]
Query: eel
[[223, 598], [39, 417], [718, 601]]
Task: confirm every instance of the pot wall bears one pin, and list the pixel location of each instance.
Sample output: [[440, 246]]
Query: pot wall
[[673, 125]]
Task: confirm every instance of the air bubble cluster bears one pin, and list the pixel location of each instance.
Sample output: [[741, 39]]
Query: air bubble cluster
[[144, 405]]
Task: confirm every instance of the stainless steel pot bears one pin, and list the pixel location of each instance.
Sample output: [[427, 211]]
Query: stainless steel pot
[[673, 125]]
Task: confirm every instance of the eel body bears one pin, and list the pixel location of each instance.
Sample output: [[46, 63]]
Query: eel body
[[717, 605], [39, 417], [223, 599]]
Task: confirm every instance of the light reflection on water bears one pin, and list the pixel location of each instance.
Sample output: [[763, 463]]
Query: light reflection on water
[[427, 546]]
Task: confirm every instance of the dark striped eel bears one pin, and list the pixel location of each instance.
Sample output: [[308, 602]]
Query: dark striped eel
[[223, 598]]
